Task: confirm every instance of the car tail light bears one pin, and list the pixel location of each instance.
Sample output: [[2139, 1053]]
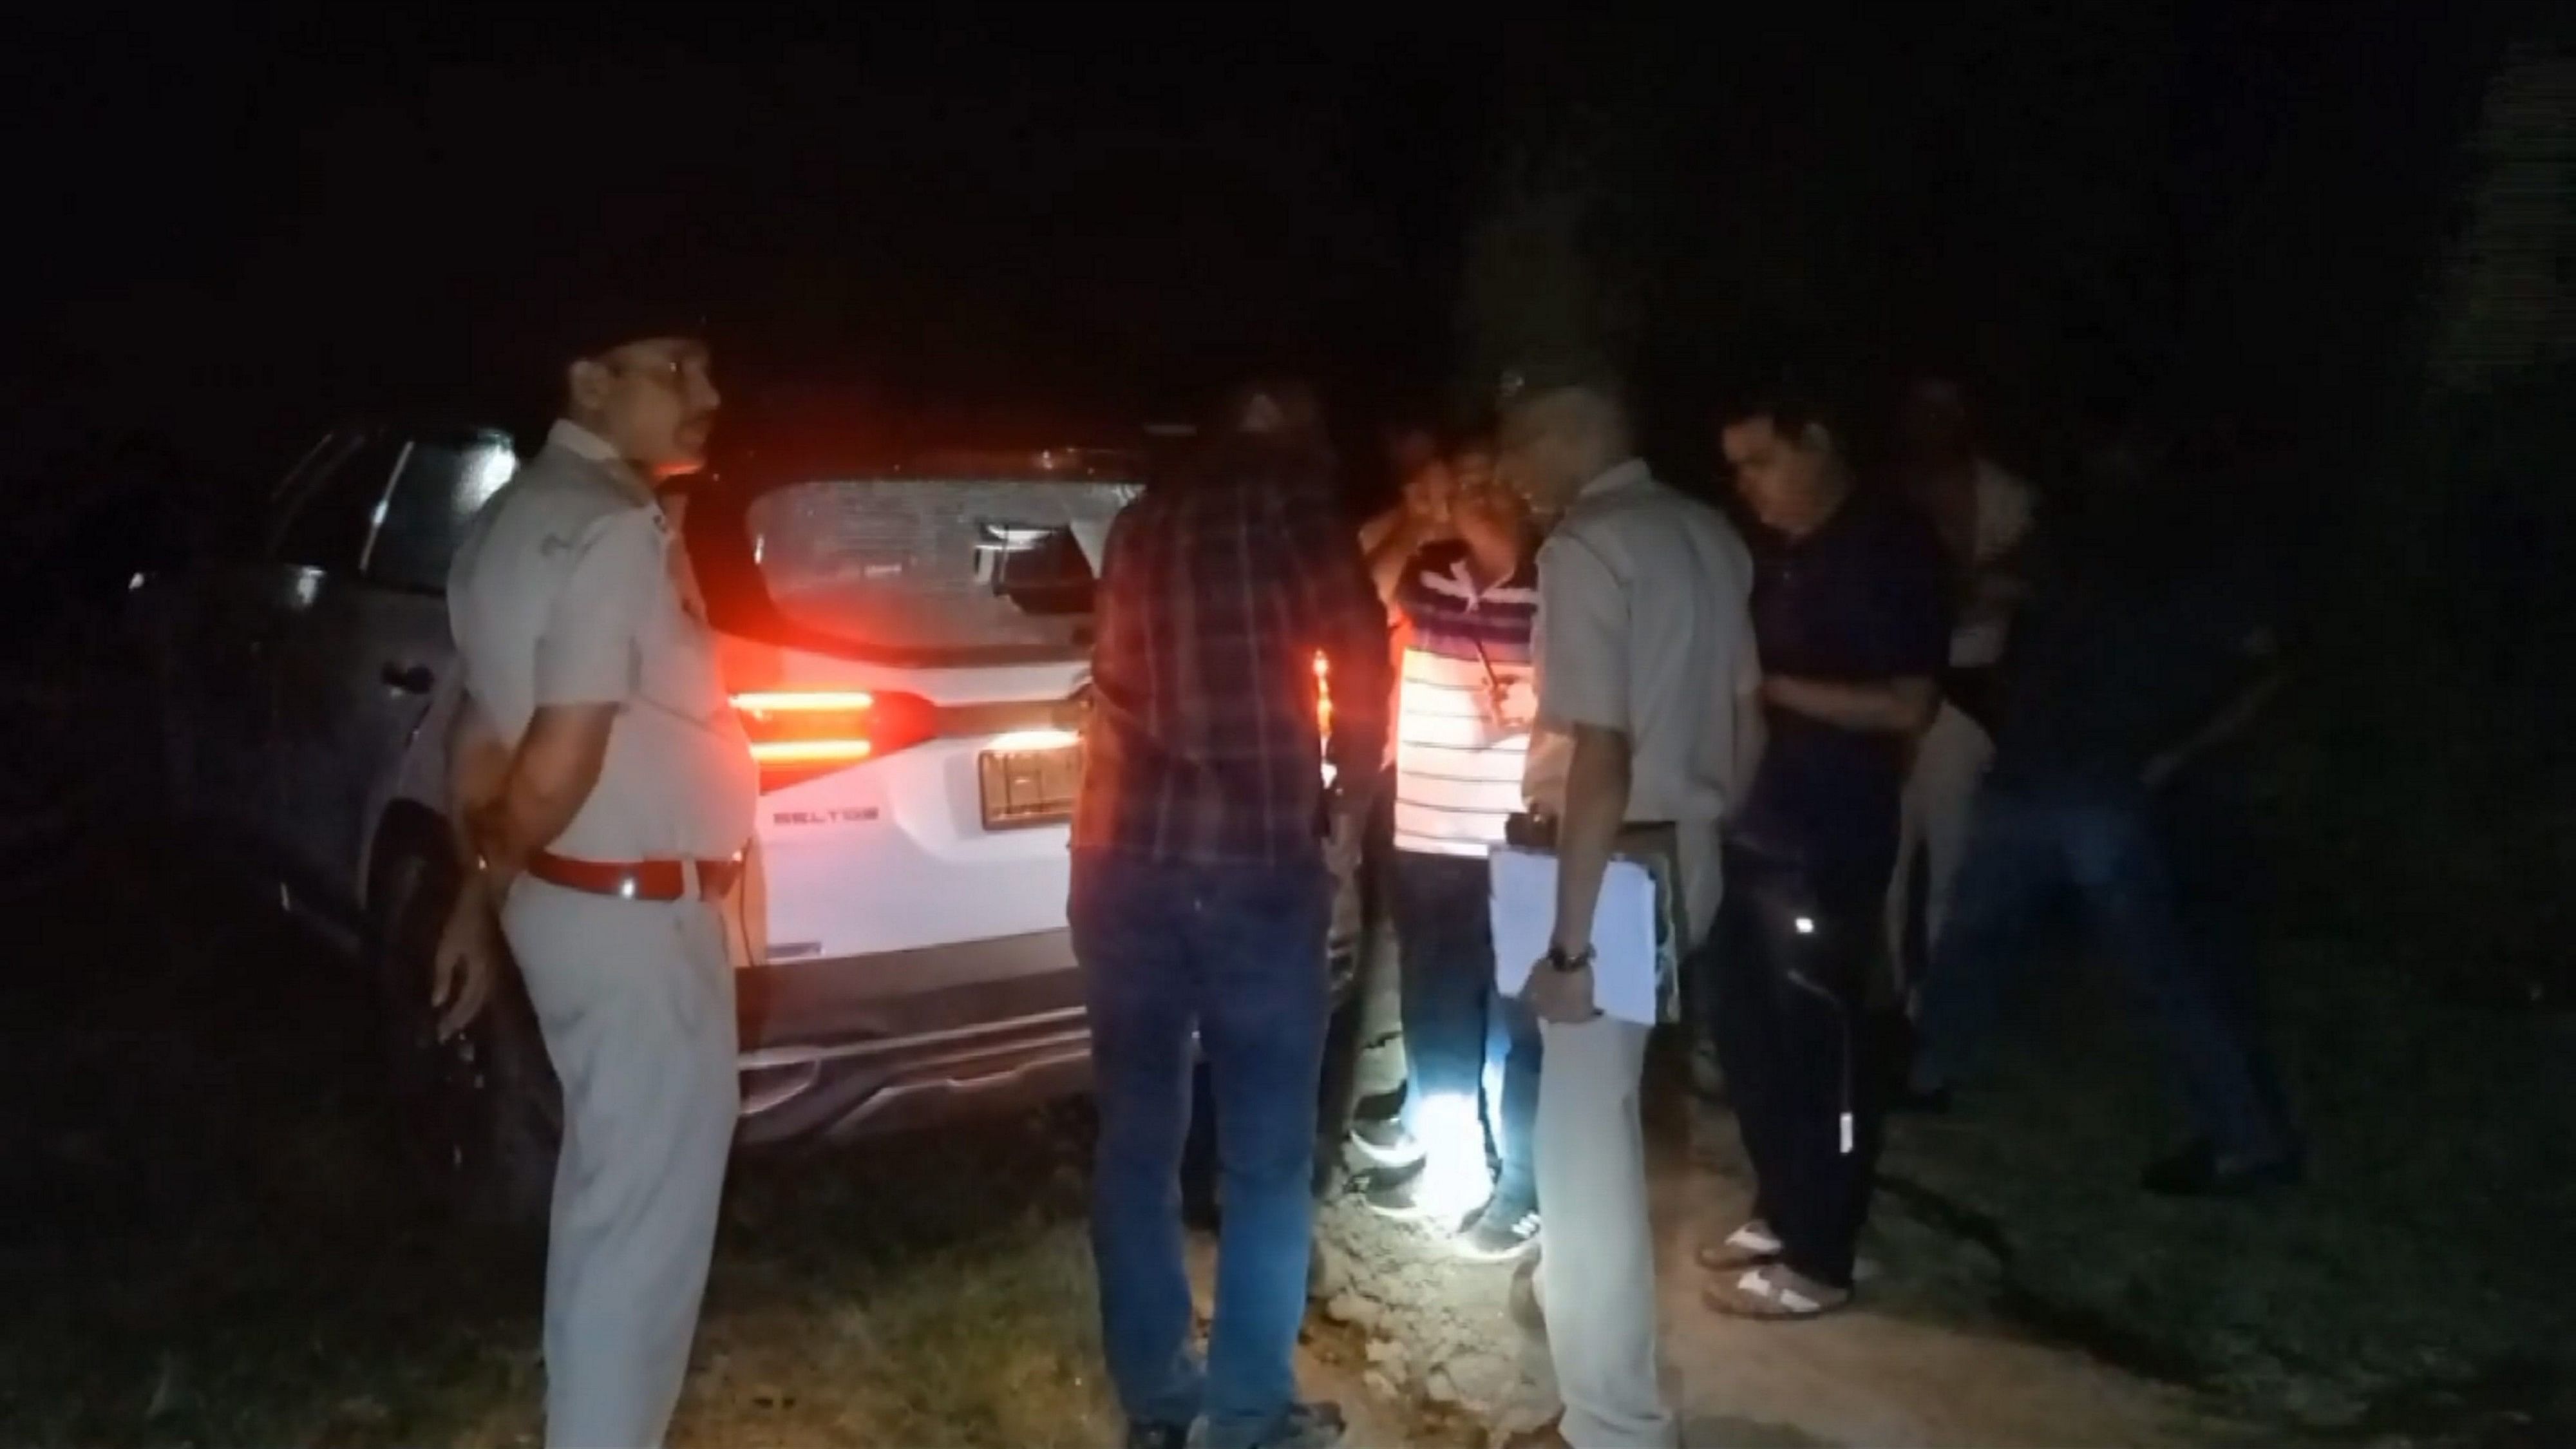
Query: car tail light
[[798, 735], [1323, 695]]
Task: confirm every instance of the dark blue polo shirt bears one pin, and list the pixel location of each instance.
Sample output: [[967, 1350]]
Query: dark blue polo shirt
[[1859, 600]]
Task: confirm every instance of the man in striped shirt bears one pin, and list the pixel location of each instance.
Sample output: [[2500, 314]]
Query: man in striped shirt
[[1458, 575]]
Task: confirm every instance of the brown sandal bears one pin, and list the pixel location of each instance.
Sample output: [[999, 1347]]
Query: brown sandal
[[1753, 1245]]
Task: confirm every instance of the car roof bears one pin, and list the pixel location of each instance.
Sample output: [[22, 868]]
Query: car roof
[[1072, 464], [759, 464], [416, 426], [758, 470]]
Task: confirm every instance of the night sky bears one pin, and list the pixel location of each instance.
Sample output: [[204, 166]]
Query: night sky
[[244, 226]]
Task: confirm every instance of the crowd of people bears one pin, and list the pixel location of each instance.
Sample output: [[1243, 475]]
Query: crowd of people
[[1544, 647], [1882, 724]]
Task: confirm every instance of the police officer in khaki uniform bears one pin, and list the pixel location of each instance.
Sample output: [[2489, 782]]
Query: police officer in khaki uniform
[[604, 792]]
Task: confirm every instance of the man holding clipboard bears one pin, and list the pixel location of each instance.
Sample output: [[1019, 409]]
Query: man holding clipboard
[[1646, 671]]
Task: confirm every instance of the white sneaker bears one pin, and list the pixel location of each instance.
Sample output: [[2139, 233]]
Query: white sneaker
[[1499, 1234]]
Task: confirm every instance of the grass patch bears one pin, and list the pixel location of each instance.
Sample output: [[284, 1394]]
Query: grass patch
[[206, 1237], [2417, 1286]]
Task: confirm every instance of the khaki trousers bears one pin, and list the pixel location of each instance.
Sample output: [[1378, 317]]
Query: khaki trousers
[[1597, 1265], [636, 1002], [1597, 1272]]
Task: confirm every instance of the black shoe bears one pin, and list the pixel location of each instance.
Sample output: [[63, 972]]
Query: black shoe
[[1147, 1435], [1306, 1426], [1392, 1192], [1386, 1143], [2196, 1171], [1382, 1107], [1707, 1078]]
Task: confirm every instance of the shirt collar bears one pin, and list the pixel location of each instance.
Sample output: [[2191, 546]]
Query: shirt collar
[[1626, 475], [574, 438], [1462, 569], [1846, 512], [584, 444]]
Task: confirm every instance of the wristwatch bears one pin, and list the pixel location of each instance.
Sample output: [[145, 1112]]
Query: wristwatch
[[1558, 960]]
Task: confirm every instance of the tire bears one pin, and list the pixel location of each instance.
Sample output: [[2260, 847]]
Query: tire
[[42, 774], [481, 1116], [37, 827]]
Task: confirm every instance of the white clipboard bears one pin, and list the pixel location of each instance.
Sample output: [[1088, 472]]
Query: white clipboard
[[1627, 975]]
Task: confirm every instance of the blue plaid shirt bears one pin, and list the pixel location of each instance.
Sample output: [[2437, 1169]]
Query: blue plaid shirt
[[1219, 590]]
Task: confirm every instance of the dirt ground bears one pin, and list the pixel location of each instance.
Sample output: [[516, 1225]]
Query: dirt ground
[[1452, 1355], [206, 1239], [1921, 1362], [2413, 1293], [1434, 1335]]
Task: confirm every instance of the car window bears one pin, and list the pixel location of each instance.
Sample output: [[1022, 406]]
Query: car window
[[443, 481], [950, 568], [331, 509]]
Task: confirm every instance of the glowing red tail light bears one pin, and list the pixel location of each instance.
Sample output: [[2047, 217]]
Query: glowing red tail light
[[799, 735], [1323, 695]]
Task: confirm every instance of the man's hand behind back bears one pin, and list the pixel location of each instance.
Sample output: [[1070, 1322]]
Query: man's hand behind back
[[466, 963]]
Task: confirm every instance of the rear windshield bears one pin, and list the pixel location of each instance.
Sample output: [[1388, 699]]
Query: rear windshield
[[952, 568]]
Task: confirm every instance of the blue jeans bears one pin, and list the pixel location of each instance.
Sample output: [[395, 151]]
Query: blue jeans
[[2099, 840], [1456, 1025], [1235, 959]]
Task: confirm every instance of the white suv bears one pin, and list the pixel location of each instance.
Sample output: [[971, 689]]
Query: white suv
[[909, 648]]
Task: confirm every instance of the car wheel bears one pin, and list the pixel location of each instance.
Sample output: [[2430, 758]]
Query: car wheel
[[481, 1115], [37, 823], [128, 753]]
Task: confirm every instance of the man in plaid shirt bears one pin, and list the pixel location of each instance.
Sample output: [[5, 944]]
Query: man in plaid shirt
[[1201, 901]]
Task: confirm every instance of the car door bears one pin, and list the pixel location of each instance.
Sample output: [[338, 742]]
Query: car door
[[356, 670], [319, 536], [213, 632]]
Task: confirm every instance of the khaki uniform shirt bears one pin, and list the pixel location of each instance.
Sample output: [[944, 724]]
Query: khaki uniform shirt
[[1644, 628], [569, 589]]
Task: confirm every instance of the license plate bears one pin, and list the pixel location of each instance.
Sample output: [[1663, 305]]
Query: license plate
[[1029, 787]]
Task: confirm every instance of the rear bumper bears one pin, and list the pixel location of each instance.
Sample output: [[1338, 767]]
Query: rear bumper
[[848, 1048], [865, 1044]]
